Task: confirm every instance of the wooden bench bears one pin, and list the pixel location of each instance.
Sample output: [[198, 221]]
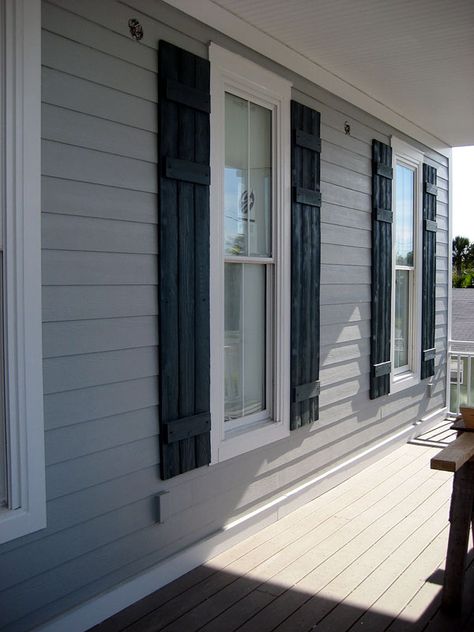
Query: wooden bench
[[458, 458]]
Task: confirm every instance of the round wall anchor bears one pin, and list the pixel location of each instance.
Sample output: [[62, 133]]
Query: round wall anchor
[[136, 29]]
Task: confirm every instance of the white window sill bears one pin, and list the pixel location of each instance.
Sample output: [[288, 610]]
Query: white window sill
[[15, 523], [402, 381], [240, 440]]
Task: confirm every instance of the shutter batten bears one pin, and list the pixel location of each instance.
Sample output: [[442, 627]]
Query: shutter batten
[[428, 351], [381, 312], [305, 264], [183, 260]]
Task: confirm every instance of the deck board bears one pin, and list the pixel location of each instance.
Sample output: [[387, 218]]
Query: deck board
[[368, 555]]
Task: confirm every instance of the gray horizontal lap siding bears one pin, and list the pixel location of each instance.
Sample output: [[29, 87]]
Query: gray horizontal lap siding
[[100, 341]]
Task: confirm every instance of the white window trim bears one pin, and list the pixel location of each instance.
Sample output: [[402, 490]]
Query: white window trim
[[230, 71], [406, 154], [21, 204]]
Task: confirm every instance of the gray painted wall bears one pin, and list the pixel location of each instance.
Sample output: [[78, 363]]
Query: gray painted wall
[[100, 310]]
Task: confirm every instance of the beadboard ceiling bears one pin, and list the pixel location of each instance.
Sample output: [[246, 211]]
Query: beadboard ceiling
[[415, 57]]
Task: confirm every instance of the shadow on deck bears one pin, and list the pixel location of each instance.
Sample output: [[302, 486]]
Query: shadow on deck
[[367, 555]]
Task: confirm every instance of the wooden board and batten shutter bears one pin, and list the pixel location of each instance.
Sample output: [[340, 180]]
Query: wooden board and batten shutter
[[382, 218], [428, 350], [305, 264], [184, 178]]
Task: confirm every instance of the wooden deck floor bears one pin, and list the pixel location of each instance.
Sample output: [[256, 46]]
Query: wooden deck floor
[[367, 555]]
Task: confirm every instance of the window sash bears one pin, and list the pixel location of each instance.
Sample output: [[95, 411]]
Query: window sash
[[249, 164], [409, 312], [269, 261], [267, 412]]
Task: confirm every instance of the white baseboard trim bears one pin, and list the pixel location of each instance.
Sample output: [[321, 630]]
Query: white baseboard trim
[[104, 606]]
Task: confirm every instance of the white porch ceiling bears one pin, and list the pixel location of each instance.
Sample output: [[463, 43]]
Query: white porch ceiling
[[415, 57]]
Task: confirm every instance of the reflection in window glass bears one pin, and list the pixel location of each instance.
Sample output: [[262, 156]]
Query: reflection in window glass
[[402, 311], [247, 178], [404, 227], [236, 176], [245, 335]]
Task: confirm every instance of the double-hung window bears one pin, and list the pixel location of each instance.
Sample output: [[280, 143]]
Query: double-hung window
[[406, 286], [249, 262], [250, 206]]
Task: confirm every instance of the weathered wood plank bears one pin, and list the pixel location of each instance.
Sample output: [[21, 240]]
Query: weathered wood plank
[[452, 458], [169, 267], [460, 517], [381, 268], [306, 261], [201, 262], [184, 259], [428, 270]]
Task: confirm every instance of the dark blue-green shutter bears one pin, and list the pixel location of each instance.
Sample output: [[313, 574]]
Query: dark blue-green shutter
[[382, 217], [428, 350], [305, 264], [184, 177]]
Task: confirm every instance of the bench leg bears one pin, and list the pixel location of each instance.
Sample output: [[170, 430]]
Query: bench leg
[[460, 516]]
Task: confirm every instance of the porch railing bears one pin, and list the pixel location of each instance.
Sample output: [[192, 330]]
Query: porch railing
[[461, 374]]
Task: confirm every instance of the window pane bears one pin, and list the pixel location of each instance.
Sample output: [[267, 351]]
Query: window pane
[[245, 339], [404, 216], [236, 176], [402, 317], [247, 178], [260, 180]]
